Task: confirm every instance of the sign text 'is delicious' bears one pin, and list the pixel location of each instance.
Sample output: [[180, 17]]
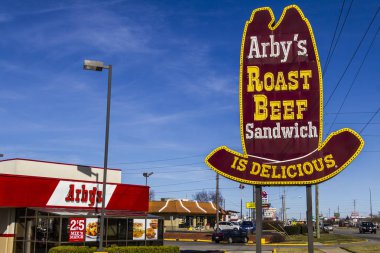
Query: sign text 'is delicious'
[[281, 108]]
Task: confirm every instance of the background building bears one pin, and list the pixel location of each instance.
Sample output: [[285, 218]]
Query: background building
[[184, 213]]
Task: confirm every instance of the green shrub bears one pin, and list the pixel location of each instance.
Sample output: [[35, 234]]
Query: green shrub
[[296, 229], [143, 249], [293, 230], [72, 249], [303, 229], [116, 249]]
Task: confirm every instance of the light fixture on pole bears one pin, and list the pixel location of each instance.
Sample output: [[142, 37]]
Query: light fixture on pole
[[241, 186], [146, 175], [99, 66]]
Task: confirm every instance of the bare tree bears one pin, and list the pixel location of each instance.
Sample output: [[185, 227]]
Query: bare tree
[[151, 195], [201, 196], [208, 196]]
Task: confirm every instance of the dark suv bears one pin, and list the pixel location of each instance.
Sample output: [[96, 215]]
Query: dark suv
[[248, 226], [230, 235], [367, 226]]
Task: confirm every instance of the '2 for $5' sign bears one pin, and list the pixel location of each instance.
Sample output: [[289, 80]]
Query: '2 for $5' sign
[[281, 100]]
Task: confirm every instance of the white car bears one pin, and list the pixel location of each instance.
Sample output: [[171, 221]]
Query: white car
[[327, 227], [228, 225]]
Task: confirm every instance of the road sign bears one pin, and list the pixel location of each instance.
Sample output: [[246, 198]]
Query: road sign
[[250, 205]]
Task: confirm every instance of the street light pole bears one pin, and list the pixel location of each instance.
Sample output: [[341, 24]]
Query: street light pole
[[217, 202], [99, 66], [146, 175]]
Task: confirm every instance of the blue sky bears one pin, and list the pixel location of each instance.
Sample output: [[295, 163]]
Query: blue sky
[[175, 90]]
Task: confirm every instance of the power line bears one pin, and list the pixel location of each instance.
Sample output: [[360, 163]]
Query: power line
[[164, 172], [199, 189], [167, 166], [373, 116], [189, 182], [356, 123], [355, 77], [326, 113], [159, 160], [352, 57], [332, 41]]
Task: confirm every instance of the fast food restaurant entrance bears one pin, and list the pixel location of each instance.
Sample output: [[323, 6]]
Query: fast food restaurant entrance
[[38, 230], [46, 204]]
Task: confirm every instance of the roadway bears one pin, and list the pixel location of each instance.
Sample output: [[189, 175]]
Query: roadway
[[212, 246], [355, 232], [188, 247]]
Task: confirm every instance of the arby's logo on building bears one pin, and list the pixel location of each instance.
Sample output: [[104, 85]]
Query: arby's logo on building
[[83, 195], [281, 108], [80, 194]]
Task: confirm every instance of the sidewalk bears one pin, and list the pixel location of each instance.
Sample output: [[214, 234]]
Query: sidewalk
[[334, 250]]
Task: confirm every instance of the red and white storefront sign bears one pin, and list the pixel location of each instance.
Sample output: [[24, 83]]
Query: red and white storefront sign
[[28, 191], [80, 194]]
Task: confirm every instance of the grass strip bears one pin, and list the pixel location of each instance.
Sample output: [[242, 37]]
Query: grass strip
[[325, 239], [296, 250], [363, 249]]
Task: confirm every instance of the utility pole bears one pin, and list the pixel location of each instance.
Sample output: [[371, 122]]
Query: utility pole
[[217, 201], [241, 207], [309, 215], [354, 205], [318, 231], [259, 217], [283, 207], [253, 200], [370, 202]]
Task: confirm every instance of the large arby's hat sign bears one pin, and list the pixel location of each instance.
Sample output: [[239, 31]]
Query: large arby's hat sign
[[281, 108]]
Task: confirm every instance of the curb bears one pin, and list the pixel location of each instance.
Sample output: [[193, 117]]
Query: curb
[[249, 243], [365, 240], [186, 240], [269, 244]]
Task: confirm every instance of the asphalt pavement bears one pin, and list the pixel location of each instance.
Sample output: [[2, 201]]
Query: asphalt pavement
[[355, 232], [211, 247]]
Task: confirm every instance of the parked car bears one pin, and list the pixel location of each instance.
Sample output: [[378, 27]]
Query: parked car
[[230, 236], [236, 223], [248, 226], [367, 226], [223, 225], [327, 227]]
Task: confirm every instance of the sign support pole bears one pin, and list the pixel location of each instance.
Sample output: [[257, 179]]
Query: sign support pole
[[309, 215], [253, 200], [259, 218]]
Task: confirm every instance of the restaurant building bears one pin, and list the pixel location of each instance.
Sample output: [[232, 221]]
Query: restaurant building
[[185, 214], [46, 204]]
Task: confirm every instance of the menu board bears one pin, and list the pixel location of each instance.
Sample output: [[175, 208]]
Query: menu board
[[139, 229]]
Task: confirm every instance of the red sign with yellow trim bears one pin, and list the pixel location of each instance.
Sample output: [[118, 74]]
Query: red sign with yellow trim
[[281, 108]]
